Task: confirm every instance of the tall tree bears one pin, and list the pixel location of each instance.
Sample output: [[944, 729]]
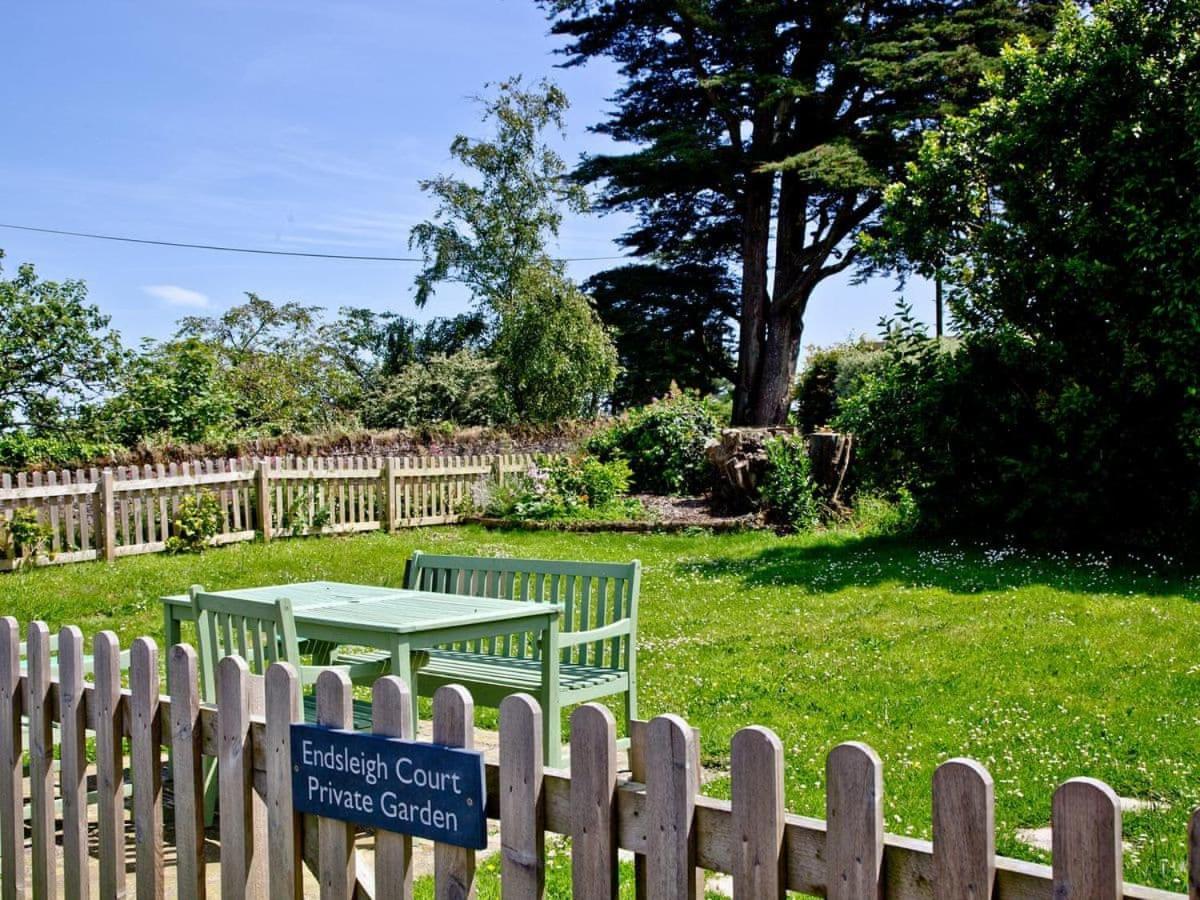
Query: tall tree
[[277, 365], [56, 351], [492, 233], [768, 128], [671, 324]]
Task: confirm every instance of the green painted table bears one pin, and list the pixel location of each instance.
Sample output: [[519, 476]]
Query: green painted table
[[398, 621]]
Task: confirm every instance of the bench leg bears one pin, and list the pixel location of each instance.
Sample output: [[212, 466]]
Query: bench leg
[[552, 730], [550, 699]]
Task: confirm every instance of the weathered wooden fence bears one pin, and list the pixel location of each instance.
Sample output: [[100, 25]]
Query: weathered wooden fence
[[126, 510], [657, 813]]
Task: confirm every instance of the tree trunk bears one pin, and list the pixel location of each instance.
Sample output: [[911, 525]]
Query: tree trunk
[[773, 397], [756, 238]]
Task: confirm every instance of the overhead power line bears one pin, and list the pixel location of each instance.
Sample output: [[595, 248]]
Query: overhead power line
[[255, 250]]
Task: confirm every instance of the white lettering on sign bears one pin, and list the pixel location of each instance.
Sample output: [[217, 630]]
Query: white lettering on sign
[[372, 769], [397, 809], [426, 778]]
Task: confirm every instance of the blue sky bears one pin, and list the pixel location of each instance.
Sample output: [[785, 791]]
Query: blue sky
[[282, 124]]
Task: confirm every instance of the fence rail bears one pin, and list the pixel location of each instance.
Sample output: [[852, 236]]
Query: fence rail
[[658, 813], [127, 510]]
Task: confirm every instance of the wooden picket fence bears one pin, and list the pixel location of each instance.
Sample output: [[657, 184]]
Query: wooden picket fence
[[657, 813], [126, 510]]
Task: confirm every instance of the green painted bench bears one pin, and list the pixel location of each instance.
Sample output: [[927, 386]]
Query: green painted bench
[[596, 642]]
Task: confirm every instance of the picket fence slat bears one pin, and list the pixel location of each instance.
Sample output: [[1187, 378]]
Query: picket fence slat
[[72, 716], [335, 710], [146, 753], [241, 861], [964, 831], [391, 714], [41, 761], [594, 872], [110, 762], [453, 726], [522, 811], [1194, 856], [854, 813], [671, 784], [188, 771], [756, 770], [1085, 839], [12, 801], [285, 851]]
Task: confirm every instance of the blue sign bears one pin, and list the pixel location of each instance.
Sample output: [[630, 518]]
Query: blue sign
[[426, 790]]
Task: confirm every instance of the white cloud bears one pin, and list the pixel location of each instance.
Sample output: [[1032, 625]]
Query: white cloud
[[175, 295]]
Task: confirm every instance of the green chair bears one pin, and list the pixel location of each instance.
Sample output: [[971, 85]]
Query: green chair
[[597, 640], [261, 633]]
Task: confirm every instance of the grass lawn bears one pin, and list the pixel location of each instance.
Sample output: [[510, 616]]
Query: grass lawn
[[1042, 666]]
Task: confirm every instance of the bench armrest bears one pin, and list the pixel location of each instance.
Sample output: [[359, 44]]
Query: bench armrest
[[574, 638]]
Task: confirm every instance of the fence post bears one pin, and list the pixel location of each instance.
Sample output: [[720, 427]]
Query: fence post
[[671, 782], [854, 823], [756, 769], [454, 726], [391, 714], [186, 742], [964, 832], [12, 803], [262, 485], [1086, 841], [41, 760], [73, 764], [106, 517], [389, 493], [146, 742], [593, 803]]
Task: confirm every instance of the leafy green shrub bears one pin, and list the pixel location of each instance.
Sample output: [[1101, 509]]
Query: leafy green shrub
[[21, 450], [26, 534], [663, 443], [561, 487], [593, 482], [878, 514], [788, 489], [197, 520], [830, 375], [461, 389]]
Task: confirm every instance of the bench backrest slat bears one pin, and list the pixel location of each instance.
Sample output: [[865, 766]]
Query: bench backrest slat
[[592, 595], [260, 632]]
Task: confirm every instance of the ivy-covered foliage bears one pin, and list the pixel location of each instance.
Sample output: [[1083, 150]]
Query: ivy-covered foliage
[[664, 443]]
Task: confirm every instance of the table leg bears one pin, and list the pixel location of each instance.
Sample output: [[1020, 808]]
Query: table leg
[[550, 699], [172, 633], [402, 666]]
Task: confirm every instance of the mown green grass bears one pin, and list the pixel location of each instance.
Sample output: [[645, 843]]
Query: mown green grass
[[1041, 665]]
